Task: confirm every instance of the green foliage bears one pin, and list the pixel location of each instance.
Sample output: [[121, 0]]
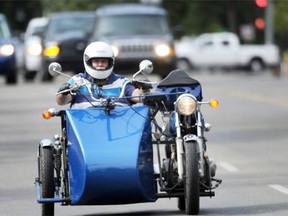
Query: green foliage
[[197, 16], [281, 16]]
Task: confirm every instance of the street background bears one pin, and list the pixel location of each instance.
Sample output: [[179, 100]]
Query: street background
[[248, 140]]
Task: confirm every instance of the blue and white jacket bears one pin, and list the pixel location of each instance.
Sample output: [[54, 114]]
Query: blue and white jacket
[[89, 95]]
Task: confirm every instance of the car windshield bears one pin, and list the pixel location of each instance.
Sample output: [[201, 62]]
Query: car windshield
[[123, 25], [4, 30], [68, 24]]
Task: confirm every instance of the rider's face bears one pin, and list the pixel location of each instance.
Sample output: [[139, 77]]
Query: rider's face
[[99, 63]]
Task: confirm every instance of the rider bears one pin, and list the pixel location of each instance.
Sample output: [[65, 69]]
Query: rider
[[99, 78]]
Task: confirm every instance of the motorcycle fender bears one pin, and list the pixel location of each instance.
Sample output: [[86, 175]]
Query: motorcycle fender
[[46, 143], [190, 137], [110, 156]]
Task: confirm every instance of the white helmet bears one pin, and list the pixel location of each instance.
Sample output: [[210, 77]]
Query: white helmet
[[98, 50]]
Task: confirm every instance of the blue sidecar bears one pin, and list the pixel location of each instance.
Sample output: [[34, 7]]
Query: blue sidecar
[[110, 157]]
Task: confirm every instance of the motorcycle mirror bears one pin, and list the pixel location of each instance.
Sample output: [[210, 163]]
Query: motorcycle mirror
[[55, 69], [146, 67]]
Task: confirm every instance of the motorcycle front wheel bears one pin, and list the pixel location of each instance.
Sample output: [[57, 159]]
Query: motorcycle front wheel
[[47, 179], [191, 185]]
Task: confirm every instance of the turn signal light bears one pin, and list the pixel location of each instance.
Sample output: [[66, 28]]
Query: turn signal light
[[214, 103], [52, 51], [47, 115]]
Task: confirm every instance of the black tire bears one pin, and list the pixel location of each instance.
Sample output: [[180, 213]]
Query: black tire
[[168, 151], [29, 76], [47, 179], [181, 203], [191, 186], [256, 65], [11, 77]]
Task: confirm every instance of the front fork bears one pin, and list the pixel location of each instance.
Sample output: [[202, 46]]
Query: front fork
[[189, 137]]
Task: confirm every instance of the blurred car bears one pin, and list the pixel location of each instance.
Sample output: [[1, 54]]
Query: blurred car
[[137, 32], [8, 64], [64, 40], [33, 47]]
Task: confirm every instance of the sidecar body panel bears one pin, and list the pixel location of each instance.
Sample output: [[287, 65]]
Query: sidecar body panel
[[110, 156]]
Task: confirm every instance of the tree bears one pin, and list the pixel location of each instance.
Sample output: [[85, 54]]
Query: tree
[[20, 12]]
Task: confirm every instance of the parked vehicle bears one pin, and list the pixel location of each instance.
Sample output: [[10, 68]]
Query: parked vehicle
[[64, 40], [223, 50], [104, 155], [136, 31], [33, 47], [8, 64]]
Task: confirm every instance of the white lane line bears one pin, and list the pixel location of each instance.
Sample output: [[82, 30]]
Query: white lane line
[[228, 167], [279, 188]]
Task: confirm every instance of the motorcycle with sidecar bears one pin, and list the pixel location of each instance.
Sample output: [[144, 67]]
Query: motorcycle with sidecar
[[109, 154]]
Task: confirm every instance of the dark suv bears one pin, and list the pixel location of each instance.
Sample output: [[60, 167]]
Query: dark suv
[[136, 32], [65, 39], [8, 66]]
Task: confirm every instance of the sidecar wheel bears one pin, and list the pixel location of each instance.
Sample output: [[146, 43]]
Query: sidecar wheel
[[47, 179], [191, 188]]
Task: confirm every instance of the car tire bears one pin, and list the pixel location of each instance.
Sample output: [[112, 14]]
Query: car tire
[[29, 76], [256, 65], [11, 77]]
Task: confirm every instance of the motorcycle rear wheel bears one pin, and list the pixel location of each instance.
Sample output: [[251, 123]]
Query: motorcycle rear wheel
[[191, 186], [47, 179]]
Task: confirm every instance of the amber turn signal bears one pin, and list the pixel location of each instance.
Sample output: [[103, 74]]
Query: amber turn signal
[[46, 115], [214, 103]]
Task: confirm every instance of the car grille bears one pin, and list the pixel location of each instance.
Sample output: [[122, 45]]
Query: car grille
[[137, 48]]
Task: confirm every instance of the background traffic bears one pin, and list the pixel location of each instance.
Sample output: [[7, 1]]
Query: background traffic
[[45, 41]]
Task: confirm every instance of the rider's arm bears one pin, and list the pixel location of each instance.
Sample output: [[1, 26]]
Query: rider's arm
[[136, 95], [63, 99]]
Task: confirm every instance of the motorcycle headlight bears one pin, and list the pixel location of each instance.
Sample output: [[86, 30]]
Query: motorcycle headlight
[[163, 50], [7, 50], [186, 104]]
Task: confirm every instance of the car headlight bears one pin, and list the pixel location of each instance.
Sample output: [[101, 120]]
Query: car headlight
[[163, 50], [7, 50], [186, 104], [34, 50]]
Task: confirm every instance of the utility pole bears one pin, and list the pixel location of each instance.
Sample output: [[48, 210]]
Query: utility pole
[[269, 25]]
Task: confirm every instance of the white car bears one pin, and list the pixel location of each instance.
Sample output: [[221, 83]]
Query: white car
[[33, 47], [224, 50]]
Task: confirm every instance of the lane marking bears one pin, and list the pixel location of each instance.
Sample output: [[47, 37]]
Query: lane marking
[[279, 188], [228, 167]]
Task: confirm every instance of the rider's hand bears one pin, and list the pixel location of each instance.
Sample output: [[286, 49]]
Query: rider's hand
[[65, 86]]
